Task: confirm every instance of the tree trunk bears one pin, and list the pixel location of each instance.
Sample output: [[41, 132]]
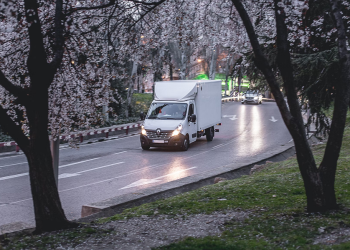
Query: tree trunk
[[226, 73], [183, 65], [329, 163], [170, 67], [213, 61], [49, 214], [239, 80]]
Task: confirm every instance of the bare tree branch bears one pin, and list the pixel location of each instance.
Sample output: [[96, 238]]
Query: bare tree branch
[[15, 90], [14, 130], [111, 3]]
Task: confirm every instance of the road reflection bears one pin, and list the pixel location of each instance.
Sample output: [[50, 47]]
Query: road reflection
[[176, 170], [250, 128], [256, 132]]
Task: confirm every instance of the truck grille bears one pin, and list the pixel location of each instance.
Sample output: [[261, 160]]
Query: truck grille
[[163, 135]]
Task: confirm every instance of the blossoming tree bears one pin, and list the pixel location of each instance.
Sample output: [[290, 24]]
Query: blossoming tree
[[54, 77]]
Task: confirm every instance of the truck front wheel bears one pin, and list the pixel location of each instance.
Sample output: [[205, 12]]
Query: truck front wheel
[[185, 144], [209, 133]]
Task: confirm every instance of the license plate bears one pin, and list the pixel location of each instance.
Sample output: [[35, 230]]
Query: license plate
[[158, 141]]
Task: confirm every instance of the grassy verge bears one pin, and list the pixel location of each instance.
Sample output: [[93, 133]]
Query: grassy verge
[[274, 197]]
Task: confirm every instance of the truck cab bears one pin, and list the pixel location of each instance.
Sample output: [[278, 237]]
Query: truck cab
[[177, 116]]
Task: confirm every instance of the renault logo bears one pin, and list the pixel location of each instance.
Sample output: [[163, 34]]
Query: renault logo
[[158, 131]]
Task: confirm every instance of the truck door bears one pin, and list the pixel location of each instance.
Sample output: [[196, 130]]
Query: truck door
[[192, 126]]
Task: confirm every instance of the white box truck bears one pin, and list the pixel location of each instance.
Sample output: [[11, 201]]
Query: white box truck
[[181, 112]]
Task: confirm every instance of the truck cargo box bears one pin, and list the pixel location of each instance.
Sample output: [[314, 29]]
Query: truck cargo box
[[208, 102], [205, 93]]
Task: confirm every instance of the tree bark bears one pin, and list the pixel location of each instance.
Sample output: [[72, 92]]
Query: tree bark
[[213, 62], [49, 214], [226, 72], [239, 82], [183, 64]]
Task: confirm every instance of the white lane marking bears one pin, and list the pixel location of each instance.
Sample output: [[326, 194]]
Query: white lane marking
[[13, 176], [71, 164], [67, 175], [231, 117], [120, 152], [218, 146], [273, 119], [11, 203], [11, 156], [148, 181], [92, 169], [63, 166], [13, 164], [290, 140]]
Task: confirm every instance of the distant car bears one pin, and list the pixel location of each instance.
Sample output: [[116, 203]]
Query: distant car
[[252, 96]]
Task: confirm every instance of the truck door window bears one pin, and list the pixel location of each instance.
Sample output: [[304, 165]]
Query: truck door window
[[190, 110]]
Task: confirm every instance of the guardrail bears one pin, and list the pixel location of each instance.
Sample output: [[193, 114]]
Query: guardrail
[[81, 134], [101, 131]]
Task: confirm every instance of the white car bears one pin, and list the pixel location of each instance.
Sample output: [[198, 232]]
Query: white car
[[252, 96]]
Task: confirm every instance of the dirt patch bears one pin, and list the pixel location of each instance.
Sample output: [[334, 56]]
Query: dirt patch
[[335, 236], [149, 232]]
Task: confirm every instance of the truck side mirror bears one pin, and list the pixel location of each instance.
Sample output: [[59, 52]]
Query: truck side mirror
[[193, 118]]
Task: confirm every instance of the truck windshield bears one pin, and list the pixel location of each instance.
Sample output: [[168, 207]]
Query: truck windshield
[[167, 111]]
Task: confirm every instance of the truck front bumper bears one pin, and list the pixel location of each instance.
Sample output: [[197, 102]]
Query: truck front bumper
[[174, 141]]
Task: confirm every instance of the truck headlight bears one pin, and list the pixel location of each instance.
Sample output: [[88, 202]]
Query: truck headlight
[[143, 131], [177, 130]]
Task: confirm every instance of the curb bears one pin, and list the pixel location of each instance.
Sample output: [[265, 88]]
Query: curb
[[117, 204]]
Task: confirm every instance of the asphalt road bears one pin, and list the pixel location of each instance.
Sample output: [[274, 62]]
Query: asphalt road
[[102, 170]]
